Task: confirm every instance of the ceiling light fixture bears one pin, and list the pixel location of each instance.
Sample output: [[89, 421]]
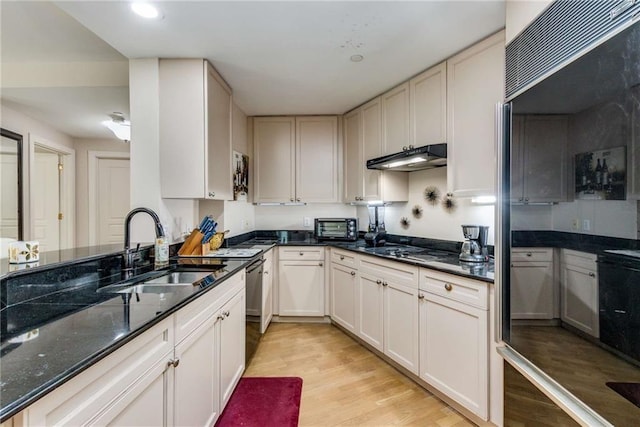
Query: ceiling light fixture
[[120, 127], [146, 10], [356, 58]]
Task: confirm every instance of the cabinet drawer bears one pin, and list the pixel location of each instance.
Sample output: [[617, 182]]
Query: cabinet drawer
[[396, 272], [579, 259], [188, 318], [301, 253], [346, 258], [456, 288], [532, 254]]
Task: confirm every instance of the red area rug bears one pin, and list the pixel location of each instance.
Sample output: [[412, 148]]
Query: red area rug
[[263, 402]]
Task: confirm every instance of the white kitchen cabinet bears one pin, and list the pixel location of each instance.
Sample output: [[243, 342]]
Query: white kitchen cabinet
[[127, 387], [428, 106], [579, 291], [159, 379], [197, 384], [267, 291], [389, 309], [395, 119], [301, 276], [519, 14], [475, 84], [296, 159], [532, 283], [195, 131], [454, 337], [539, 158], [344, 292], [362, 142], [232, 346]]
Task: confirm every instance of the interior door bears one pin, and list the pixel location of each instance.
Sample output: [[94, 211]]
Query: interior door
[[46, 201], [112, 203]]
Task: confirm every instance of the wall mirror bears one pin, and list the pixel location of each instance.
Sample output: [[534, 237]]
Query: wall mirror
[[11, 227]]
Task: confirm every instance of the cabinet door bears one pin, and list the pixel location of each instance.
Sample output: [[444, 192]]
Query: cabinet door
[[301, 288], [267, 291], [401, 325], [196, 378], [545, 158], [344, 293], [146, 403], [232, 345], [370, 299], [371, 147], [353, 156], [428, 96], [453, 351], [532, 290], [317, 159], [580, 299], [475, 83], [218, 113], [274, 148], [395, 119]]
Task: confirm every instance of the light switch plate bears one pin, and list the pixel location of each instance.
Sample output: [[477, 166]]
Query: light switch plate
[[306, 221]]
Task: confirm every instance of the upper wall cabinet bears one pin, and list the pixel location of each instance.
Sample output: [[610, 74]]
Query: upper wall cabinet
[[539, 158], [428, 107], [195, 131], [519, 15], [363, 141], [475, 84], [395, 119], [296, 159]]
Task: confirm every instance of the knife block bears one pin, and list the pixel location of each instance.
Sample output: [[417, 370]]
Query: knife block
[[193, 245]]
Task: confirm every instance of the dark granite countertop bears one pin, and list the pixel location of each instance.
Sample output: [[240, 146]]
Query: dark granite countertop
[[580, 242], [38, 357], [444, 255]]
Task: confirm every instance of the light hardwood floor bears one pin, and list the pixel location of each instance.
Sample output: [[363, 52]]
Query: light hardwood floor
[[344, 383]]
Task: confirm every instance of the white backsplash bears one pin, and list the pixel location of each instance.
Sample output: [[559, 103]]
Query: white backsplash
[[291, 217]]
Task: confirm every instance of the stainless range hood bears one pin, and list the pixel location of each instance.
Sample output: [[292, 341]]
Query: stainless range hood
[[412, 159]]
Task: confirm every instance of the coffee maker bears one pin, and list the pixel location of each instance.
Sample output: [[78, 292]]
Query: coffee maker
[[376, 236], [474, 249]]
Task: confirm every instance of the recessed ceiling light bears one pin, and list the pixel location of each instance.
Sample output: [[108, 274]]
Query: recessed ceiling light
[[145, 10], [356, 58]]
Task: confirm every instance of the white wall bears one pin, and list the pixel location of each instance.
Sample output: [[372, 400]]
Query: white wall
[[18, 122], [291, 217], [436, 222], [83, 146]]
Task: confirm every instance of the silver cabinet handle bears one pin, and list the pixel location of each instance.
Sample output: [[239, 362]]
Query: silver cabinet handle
[[385, 284], [379, 282], [353, 273], [420, 296], [173, 362]]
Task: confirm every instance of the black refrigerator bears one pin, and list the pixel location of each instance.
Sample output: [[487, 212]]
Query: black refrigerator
[[569, 180]]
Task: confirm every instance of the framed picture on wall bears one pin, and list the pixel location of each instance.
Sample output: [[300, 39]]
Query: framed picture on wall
[[602, 174], [240, 176]]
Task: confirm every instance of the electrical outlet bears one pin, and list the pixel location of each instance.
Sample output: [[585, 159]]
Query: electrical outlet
[[586, 225], [575, 224], [306, 221]]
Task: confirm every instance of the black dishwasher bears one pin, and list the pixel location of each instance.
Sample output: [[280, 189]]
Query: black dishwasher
[[619, 300]]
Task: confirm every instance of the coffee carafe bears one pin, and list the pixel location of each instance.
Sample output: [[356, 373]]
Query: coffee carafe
[[474, 249], [376, 235]]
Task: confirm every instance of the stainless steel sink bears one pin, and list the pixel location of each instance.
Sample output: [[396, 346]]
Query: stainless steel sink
[[173, 281]]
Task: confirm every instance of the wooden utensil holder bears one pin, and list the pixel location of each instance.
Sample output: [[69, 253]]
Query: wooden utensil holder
[[193, 245]]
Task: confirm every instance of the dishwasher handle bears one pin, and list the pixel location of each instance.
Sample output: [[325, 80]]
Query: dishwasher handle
[[255, 265]]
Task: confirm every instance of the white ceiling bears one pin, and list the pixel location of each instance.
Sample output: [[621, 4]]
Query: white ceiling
[[279, 57]]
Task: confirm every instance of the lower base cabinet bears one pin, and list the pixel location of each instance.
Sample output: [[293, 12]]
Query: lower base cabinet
[[301, 275], [579, 291], [154, 380], [344, 287], [454, 334]]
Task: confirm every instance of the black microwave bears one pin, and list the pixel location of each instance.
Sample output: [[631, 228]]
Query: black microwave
[[345, 229]]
